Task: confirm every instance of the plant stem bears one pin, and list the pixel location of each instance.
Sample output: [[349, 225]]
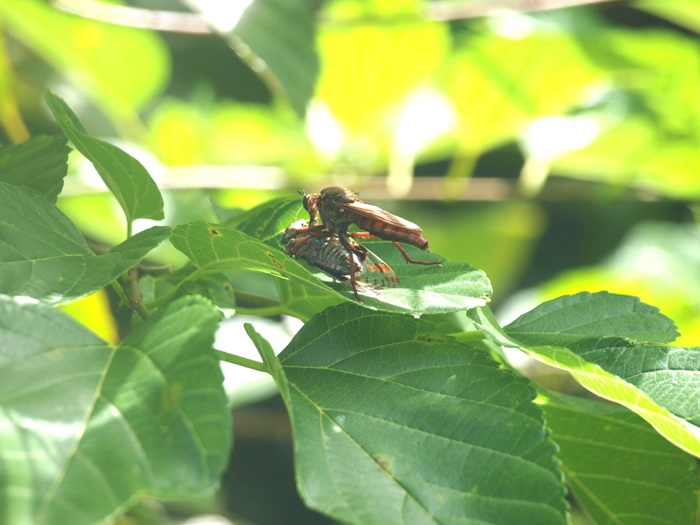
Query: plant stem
[[242, 361], [467, 337]]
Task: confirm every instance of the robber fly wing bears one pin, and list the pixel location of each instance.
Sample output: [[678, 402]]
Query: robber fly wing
[[376, 213]]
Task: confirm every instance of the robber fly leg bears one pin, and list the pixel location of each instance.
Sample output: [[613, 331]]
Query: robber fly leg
[[351, 260], [413, 261]]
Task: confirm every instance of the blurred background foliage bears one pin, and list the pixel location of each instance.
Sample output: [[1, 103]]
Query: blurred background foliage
[[557, 149]]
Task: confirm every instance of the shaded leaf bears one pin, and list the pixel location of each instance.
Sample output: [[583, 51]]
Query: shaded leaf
[[100, 426], [40, 163], [42, 254], [125, 176], [428, 427], [618, 468], [268, 221], [276, 39], [282, 36]]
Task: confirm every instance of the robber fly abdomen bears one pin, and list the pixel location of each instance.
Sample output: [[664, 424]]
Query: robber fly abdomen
[[390, 232], [340, 207]]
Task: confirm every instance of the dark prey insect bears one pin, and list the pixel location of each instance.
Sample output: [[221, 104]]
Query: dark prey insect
[[338, 208], [324, 250]]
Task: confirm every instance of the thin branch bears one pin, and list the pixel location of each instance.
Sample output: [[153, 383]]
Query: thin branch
[[463, 10], [193, 23], [173, 21]]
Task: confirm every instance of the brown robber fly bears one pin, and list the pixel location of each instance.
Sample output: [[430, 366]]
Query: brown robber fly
[[325, 251], [338, 208]]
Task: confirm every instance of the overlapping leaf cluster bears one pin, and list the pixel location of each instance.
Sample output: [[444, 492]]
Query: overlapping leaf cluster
[[395, 420]]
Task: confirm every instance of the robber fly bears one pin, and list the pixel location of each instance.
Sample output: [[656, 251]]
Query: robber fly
[[338, 208], [325, 251]]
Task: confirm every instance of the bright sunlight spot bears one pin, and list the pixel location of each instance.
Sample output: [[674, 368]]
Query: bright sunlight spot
[[222, 15], [323, 129], [550, 137]]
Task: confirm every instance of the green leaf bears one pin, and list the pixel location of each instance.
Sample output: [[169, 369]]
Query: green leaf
[[42, 254], [594, 315], [125, 176], [219, 249], [216, 249], [276, 38], [668, 375], [452, 287], [396, 423], [120, 68], [619, 469], [99, 427], [685, 13], [40, 163], [601, 382], [545, 74], [268, 221], [271, 361], [370, 68]]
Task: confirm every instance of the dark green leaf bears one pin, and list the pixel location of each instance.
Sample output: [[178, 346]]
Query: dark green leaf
[[268, 221], [125, 176], [42, 254], [97, 426], [396, 423], [619, 469], [276, 38], [218, 249], [40, 163], [593, 315]]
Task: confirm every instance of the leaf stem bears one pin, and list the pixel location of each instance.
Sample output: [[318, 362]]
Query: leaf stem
[[467, 337], [242, 361]]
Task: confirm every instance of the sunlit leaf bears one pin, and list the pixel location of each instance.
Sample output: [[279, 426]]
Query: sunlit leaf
[[125, 176], [370, 69], [618, 468], [596, 372], [498, 83], [685, 13], [119, 68], [430, 427], [655, 261], [99, 426]]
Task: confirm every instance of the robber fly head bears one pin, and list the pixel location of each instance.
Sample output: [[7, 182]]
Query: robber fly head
[[310, 203]]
